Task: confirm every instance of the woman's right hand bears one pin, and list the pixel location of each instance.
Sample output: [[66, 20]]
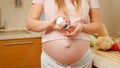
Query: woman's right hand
[[54, 26]]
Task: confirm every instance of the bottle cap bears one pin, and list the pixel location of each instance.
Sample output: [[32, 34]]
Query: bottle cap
[[60, 21]]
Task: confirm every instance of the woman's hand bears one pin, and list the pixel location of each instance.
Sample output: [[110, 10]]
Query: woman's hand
[[54, 26], [74, 29]]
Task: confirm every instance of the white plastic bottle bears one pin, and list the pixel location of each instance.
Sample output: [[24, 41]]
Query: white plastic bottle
[[61, 22]]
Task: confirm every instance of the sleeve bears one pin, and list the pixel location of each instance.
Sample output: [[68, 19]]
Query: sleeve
[[38, 1], [94, 4]]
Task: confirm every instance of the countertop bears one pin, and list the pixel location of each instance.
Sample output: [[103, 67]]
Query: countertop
[[17, 34], [106, 59]]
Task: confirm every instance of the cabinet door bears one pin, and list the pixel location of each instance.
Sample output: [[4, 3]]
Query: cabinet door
[[20, 53]]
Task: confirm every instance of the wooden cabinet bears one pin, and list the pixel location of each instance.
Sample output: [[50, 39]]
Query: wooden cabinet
[[20, 53]]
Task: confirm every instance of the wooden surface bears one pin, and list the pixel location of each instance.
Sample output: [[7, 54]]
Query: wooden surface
[[20, 55], [106, 59], [111, 55]]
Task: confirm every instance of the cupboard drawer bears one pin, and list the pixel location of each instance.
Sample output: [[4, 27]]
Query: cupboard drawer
[[20, 53], [20, 47], [19, 61]]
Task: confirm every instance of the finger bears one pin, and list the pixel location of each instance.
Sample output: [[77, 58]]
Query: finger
[[53, 20], [77, 30], [56, 27], [70, 34], [74, 32]]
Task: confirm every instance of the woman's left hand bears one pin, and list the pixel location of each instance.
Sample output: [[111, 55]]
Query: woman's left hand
[[74, 29]]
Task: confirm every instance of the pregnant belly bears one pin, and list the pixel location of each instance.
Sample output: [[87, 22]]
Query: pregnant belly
[[66, 51]]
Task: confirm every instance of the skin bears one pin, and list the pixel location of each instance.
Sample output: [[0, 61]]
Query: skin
[[66, 53], [33, 23]]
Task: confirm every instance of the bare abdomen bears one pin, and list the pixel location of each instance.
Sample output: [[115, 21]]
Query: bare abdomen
[[66, 51]]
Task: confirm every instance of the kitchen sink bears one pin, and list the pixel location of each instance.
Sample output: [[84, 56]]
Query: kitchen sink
[[14, 32]]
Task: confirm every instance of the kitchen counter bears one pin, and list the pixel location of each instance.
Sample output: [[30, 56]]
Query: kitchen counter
[[17, 34], [108, 59]]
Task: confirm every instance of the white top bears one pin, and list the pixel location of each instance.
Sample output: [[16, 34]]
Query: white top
[[50, 11]]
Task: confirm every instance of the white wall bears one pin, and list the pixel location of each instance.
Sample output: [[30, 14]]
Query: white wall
[[110, 14], [14, 17]]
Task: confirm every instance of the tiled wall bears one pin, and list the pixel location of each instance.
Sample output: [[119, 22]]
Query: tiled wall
[[14, 17]]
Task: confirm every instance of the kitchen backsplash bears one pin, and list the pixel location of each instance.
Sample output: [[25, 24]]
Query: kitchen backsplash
[[15, 17]]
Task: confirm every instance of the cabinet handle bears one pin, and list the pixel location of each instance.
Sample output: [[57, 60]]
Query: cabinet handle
[[17, 43]]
